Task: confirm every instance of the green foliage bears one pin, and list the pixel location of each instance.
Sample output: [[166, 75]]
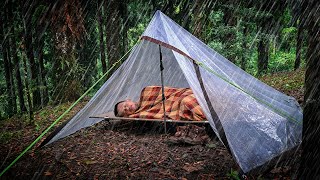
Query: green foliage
[[39, 10], [252, 64], [135, 32], [177, 9], [38, 127], [65, 78], [59, 109], [5, 137], [216, 45], [233, 175], [282, 61], [3, 106], [289, 36], [229, 41], [289, 30], [8, 131], [139, 16], [218, 33], [288, 81]]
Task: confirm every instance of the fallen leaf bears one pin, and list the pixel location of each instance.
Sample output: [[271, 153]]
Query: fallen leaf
[[211, 145], [193, 167], [47, 173], [88, 162]]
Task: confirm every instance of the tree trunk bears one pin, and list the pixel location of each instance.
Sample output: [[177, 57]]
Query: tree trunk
[[44, 89], [229, 21], [112, 27], [168, 9], [310, 160], [20, 85], [12, 86], [263, 56], [101, 39], [6, 63], [10, 107], [197, 19], [68, 29], [125, 27], [40, 29], [27, 16], [298, 47], [12, 90], [184, 16], [27, 88], [86, 57]]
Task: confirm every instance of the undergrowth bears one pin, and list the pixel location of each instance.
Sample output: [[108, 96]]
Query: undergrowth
[[19, 125]]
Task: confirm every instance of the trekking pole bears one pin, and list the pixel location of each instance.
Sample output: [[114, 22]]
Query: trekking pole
[[163, 97]]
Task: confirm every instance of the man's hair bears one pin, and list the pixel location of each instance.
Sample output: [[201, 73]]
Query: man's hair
[[115, 110]]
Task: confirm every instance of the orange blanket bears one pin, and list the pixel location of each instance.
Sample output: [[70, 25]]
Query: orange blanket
[[180, 104]]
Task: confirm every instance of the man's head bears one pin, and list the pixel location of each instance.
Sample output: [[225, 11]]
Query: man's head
[[125, 108]]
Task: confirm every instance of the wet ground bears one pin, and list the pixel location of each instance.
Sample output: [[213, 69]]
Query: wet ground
[[131, 150]]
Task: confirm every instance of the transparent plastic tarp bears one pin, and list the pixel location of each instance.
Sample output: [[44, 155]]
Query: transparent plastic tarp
[[141, 69], [259, 122]]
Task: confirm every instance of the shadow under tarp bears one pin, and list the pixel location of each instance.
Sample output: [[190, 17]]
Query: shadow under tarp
[[110, 117], [143, 125]]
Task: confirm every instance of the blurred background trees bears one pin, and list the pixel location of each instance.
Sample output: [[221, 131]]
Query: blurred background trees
[[51, 52]]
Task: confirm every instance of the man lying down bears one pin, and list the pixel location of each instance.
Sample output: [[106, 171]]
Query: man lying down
[[180, 104]]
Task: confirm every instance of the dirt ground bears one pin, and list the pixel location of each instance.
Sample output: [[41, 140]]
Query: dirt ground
[[130, 150]]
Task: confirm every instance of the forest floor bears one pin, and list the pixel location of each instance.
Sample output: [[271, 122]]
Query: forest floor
[[129, 150]]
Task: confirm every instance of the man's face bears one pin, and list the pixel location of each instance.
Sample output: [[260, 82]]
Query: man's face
[[127, 108]]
